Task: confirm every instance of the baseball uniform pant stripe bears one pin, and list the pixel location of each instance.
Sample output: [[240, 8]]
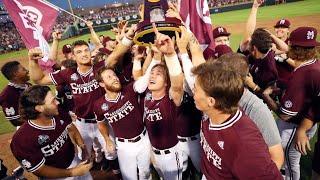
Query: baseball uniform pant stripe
[[287, 152]]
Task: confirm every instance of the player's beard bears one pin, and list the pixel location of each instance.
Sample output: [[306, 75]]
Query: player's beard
[[113, 88]]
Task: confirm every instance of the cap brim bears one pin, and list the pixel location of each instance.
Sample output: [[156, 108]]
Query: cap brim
[[277, 26], [304, 44], [224, 34]]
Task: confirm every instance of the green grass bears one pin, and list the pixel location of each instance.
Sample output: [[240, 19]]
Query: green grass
[[301, 8]]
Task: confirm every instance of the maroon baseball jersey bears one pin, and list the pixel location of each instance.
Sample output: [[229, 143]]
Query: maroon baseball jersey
[[303, 90], [64, 95], [263, 71], [34, 145], [235, 149], [123, 114], [188, 119], [160, 119], [9, 100], [84, 87]]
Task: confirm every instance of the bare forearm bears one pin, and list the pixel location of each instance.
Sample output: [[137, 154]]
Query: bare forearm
[[94, 37], [103, 130], [54, 51], [281, 45], [36, 74], [306, 124], [53, 172], [251, 24], [271, 103], [277, 155], [75, 136], [118, 52]]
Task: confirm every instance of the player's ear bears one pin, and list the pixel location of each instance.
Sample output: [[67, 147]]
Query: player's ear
[[211, 102], [102, 84], [39, 108]]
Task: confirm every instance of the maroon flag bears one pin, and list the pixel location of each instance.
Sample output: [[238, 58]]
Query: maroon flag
[[196, 16], [34, 20]]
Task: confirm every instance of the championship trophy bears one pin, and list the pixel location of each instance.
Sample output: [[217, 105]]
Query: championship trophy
[[154, 12]]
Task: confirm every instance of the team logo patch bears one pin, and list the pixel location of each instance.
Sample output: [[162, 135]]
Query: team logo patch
[[43, 139], [104, 107], [221, 144], [10, 111], [26, 164], [74, 77], [288, 104], [310, 35]]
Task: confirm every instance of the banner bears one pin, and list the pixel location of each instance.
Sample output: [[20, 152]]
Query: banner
[[196, 16], [34, 20]]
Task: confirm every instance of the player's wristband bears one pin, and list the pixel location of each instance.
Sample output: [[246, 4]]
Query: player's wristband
[[173, 64], [126, 41], [136, 65]]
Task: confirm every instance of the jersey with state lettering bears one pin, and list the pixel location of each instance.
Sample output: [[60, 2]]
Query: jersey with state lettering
[[34, 145], [123, 113], [303, 91], [188, 119], [263, 71], [160, 119], [235, 149], [9, 100], [84, 87]]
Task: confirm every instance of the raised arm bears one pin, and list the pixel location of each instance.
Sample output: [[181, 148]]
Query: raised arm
[[94, 37], [36, 74], [137, 59], [121, 48], [141, 84], [251, 23], [196, 52], [182, 43], [166, 46], [54, 47]]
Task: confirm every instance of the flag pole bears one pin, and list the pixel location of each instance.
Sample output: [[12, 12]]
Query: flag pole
[[57, 7], [70, 6]]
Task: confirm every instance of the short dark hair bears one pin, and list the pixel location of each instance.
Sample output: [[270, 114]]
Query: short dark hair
[[235, 62], [79, 43], [30, 98], [69, 63], [9, 68], [225, 86], [100, 71], [262, 40]]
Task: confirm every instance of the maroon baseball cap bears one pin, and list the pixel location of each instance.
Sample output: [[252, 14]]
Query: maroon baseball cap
[[220, 31], [283, 23], [304, 36], [221, 50], [66, 49]]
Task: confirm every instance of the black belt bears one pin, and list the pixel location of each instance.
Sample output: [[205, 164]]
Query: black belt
[[156, 151], [87, 121], [132, 140], [192, 138]]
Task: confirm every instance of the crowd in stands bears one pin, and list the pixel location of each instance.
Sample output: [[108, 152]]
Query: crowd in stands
[[10, 39]]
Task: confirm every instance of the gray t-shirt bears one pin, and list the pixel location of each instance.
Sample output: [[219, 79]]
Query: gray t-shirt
[[261, 116]]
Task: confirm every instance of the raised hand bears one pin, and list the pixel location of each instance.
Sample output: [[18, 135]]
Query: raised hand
[[183, 41], [163, 42], [35, 54], [89, 24]]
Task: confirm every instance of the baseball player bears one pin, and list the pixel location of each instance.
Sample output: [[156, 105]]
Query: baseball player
[[18, 77], [121, 109], [232, 146], [85, 88], [49, 152], [160, 104], [301, 93]]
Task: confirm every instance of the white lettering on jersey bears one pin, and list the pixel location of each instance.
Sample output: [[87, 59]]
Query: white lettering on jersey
[[84, 88], [119, 113], [50, 149], [210, 154], [153, 115]]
